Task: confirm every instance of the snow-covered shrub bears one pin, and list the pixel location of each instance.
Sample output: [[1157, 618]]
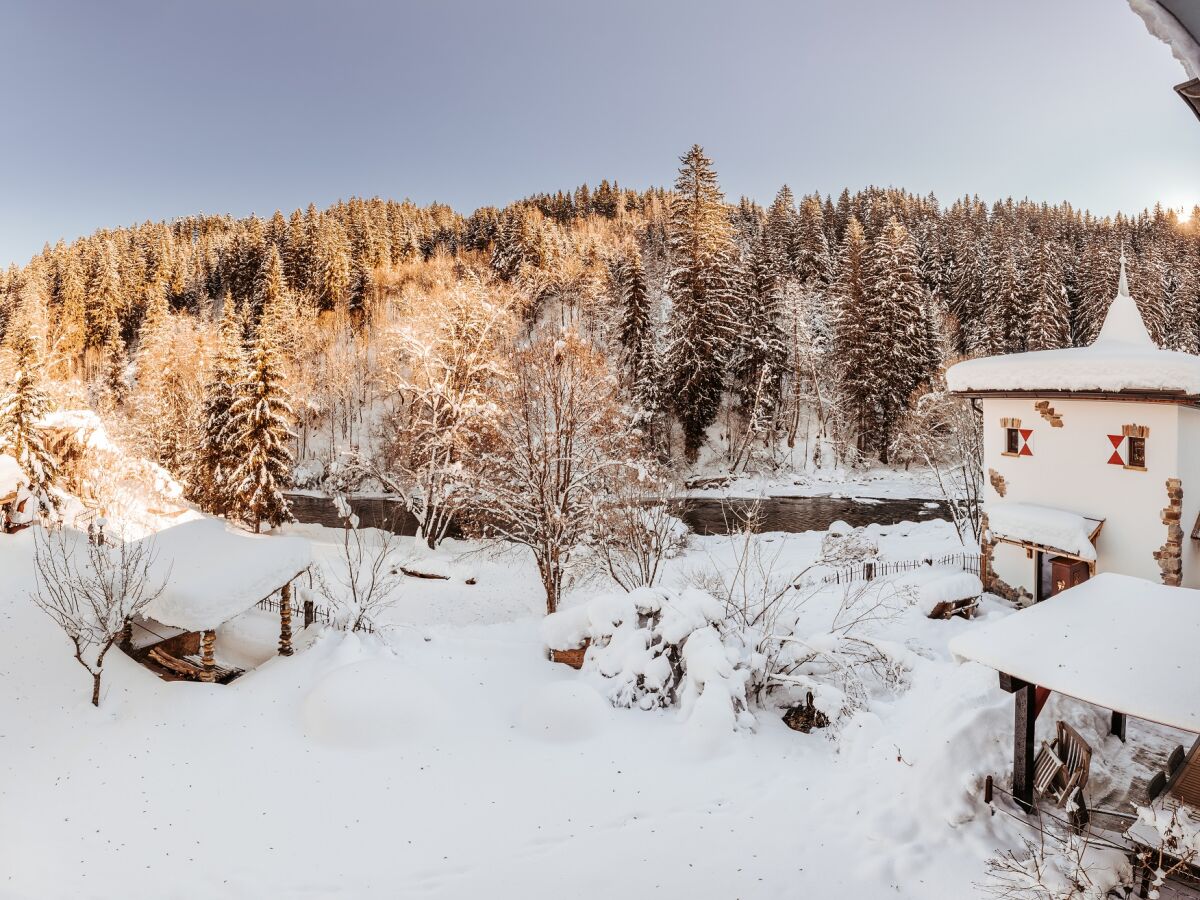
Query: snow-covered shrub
[[799, 637], [637, 530], [843, 545], [365, 578], [653, 648], [1064, 866], [1175, 845]]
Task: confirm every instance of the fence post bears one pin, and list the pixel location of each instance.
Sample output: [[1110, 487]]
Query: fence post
[[868, 570]]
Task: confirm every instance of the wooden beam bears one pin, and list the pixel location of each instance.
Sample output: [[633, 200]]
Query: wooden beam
[[1010, 684], [285, 620], [1024, 717], [1118, 725], [207, 639]]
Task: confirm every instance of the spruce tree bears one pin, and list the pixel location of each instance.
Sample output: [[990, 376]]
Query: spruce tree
[[855, 326], [1046, 300], [216, 457], [21, 406], [999, 325], [781, 233], [260, 416], [702, 289], [899, 348], [762, 357], [634, 305]]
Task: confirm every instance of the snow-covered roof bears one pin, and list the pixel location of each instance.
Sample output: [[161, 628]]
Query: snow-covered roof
[[10, 475], [1165, 21], [1122, 358], [214, 572], [1057, 529], [1119, 642]]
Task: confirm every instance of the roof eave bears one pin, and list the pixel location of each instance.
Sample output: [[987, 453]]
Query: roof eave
[[1181, 398]]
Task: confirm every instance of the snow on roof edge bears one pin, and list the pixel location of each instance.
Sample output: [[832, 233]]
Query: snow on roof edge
[[1161, 23]]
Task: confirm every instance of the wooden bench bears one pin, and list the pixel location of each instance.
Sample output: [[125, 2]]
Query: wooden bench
[[190, 667]]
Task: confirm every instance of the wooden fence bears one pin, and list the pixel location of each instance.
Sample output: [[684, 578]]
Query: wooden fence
[[309, 612], [867, 571]]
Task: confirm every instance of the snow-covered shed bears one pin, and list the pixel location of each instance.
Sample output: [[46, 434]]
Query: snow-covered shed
[[1089, 453], [210, 573], [1121, 643]]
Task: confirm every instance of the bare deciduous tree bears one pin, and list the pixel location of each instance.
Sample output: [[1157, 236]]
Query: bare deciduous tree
[[639, 529], [92, 588], [366, 578], [542, 481]]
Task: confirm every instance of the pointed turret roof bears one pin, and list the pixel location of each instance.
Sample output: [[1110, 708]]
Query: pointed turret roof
[[1122, 359], [1123, 323]]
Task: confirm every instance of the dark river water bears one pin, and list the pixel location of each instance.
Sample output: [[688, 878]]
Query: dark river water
[[702, 516]]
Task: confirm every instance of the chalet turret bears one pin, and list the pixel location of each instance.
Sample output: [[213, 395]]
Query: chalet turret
[[1088, 452]]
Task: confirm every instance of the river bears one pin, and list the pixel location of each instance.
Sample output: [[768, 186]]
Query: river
[[705, 516]]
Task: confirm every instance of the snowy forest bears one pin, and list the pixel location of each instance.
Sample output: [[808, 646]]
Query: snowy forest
[[383, 346]]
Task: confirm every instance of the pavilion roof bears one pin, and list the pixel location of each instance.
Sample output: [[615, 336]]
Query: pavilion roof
[[1122, 643]]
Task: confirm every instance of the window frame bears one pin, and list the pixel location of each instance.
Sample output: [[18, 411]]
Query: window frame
[[1135, 460]]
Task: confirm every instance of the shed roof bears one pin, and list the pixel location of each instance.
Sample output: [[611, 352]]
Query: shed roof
[[1049, 527], [1120, 642], [1122, 359], [214, 572]]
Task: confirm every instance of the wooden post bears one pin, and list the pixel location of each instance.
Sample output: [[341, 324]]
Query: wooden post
[[310, 613], [1118, 725], [285, 620], [207, 639], [1024, 718]]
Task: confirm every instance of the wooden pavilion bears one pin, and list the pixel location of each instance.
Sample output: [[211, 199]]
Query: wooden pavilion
[[1119, 642], [211, 573]]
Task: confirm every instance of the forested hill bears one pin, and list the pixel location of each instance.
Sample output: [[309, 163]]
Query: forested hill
[[812, 315]]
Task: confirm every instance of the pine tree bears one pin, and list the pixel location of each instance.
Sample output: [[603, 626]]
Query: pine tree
[[762, 357], [259, 421], [216, 457], [634, 303], [899, 348], [1046, 300], [113, 388], [999, 325], [1147, 273], [702, 288], [855, 325], [21, 406]]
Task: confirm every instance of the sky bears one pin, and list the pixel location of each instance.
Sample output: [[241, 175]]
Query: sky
[[119, 112]]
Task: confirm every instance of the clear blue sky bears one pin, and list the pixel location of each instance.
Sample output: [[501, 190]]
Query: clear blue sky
[[116, 112]]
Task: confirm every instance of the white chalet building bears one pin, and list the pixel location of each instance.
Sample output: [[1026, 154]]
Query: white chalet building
[[1091, 459]]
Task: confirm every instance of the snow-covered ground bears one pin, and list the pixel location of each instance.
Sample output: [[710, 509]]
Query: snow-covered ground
[[446, 757]]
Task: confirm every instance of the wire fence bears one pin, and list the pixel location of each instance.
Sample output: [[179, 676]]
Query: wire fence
[[870, 570]]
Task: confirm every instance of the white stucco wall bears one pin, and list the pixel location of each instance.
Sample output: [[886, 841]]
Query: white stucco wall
[[1069, 470], [1189, 471]]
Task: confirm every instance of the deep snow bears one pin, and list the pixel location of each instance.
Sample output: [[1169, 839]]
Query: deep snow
[[446, 757]]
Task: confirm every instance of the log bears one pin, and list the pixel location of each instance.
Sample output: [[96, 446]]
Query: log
[[207, 640]]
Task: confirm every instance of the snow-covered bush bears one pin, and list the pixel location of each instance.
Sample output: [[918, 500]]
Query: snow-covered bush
[[365, 578], [844, 545], [1175, 845], [1064, 866], [638, 530], [653, 648]]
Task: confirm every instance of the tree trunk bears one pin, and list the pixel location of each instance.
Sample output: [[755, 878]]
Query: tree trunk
[[96, 688], [285, 620]]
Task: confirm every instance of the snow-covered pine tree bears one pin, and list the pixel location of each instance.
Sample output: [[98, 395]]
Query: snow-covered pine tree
[[855, 326], [781, 232], [1184, 313], [1096, 284], [761, 360], [216, 457], [999, 325], [112, 389], [259, 430], [270, 285], [1046, 299], [900, 353], [702, 286], [961, 285], [22, 404], [1147, 271], [629, 279]]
